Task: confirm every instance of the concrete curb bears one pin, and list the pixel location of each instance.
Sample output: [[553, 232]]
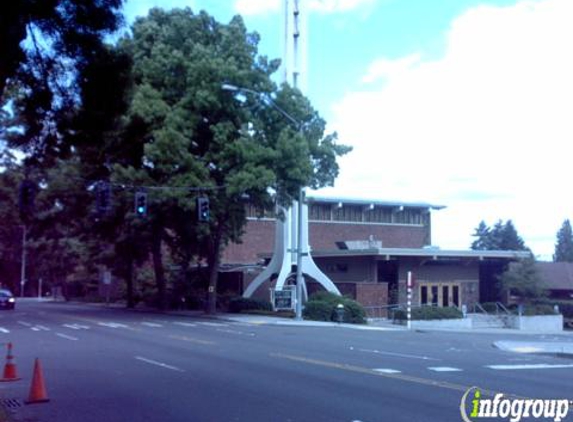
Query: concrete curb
[[543, 347]]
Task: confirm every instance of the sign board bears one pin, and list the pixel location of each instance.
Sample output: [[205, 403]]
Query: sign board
[[283, 299]]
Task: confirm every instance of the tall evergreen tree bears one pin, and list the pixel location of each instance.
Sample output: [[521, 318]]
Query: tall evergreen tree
[[564, 245], [502, 236], [482, 233]]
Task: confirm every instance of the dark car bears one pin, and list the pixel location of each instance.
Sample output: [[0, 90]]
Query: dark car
[[7, 300]]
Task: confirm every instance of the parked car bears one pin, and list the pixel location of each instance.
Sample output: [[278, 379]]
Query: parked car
[[7, 300]]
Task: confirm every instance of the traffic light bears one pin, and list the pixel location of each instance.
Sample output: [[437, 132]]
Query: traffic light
[[203, 208], [141, 203], [26, 197], [103, 197]]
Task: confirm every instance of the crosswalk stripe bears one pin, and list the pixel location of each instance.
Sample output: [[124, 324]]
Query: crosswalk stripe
[[387, 371], [529, 366], [4, 330], [444, 369], [213, 324]]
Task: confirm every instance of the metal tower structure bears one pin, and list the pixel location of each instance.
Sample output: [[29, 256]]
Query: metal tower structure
[[291, 258]]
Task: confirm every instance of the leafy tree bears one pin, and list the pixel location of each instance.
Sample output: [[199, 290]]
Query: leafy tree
[[564, 245], [503, 236], [45, 48], [58, 33], [193, 134], [522, 279]]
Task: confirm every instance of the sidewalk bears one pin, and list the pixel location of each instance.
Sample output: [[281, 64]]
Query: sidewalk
[[271, 320]]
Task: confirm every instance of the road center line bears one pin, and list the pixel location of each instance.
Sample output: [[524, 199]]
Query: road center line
[[400, 355], [368, 371], [160, 364], [67, 336]]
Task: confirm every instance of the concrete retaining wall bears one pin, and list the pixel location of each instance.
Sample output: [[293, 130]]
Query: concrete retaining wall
[[538, 323], [443, 324]]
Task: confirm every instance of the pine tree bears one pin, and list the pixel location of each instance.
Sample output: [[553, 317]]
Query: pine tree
[[564, 245], [482, 234], [503, 236]]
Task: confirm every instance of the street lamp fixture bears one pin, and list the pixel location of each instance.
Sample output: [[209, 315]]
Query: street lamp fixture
[[266, 98]]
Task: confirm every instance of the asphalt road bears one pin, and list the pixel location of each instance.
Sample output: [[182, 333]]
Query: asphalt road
[[109, 365]]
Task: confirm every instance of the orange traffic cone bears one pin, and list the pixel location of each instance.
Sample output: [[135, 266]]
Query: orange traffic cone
[[37, 389], [10, 373]]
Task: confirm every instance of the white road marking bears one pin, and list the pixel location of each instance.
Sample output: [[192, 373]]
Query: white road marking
[[25, 324], [444, 369], [241, 333], [151, 324], [66, 336], [387, 371], [4, 330], [112, 325], [72, 326], [528, 366], [34, 329], [401, 355], [42, 327], [213, 324], [161, 364], [185, 324]]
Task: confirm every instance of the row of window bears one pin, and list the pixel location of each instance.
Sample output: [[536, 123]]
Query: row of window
[[356, 214]]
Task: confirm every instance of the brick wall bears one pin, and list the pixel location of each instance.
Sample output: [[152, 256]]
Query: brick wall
[[260, 234]]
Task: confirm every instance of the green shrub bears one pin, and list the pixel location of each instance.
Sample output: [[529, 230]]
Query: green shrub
[[322, 306], [429, 313], [242, 304], [317, 310], [565, 306]]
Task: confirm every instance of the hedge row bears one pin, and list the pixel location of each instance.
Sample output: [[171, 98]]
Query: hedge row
[[322, 306], [242, 304], [429, 312]]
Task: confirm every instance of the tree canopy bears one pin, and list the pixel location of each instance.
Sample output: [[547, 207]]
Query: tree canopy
[[502, 236], [564, 245], [149, 117]]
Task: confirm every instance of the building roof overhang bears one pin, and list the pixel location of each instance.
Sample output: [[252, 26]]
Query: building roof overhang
[[426, 253], [366, 202]]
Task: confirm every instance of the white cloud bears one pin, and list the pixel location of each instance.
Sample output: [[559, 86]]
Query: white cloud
[[261, 7], [385, 69], [485, 129]]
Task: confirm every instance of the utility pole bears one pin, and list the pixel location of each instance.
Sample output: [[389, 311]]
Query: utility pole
[[23, 265]]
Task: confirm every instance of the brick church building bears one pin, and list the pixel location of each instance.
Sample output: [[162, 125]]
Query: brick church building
[[367, 248]]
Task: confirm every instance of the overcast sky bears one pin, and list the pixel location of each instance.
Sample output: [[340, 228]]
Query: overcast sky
[[463, 103]]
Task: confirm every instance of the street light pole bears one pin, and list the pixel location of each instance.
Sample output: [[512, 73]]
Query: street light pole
[[299, 247], [23, 263]]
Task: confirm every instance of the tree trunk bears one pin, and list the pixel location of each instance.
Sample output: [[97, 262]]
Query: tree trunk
[[158, 267], [129, 282], [213, 261]]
